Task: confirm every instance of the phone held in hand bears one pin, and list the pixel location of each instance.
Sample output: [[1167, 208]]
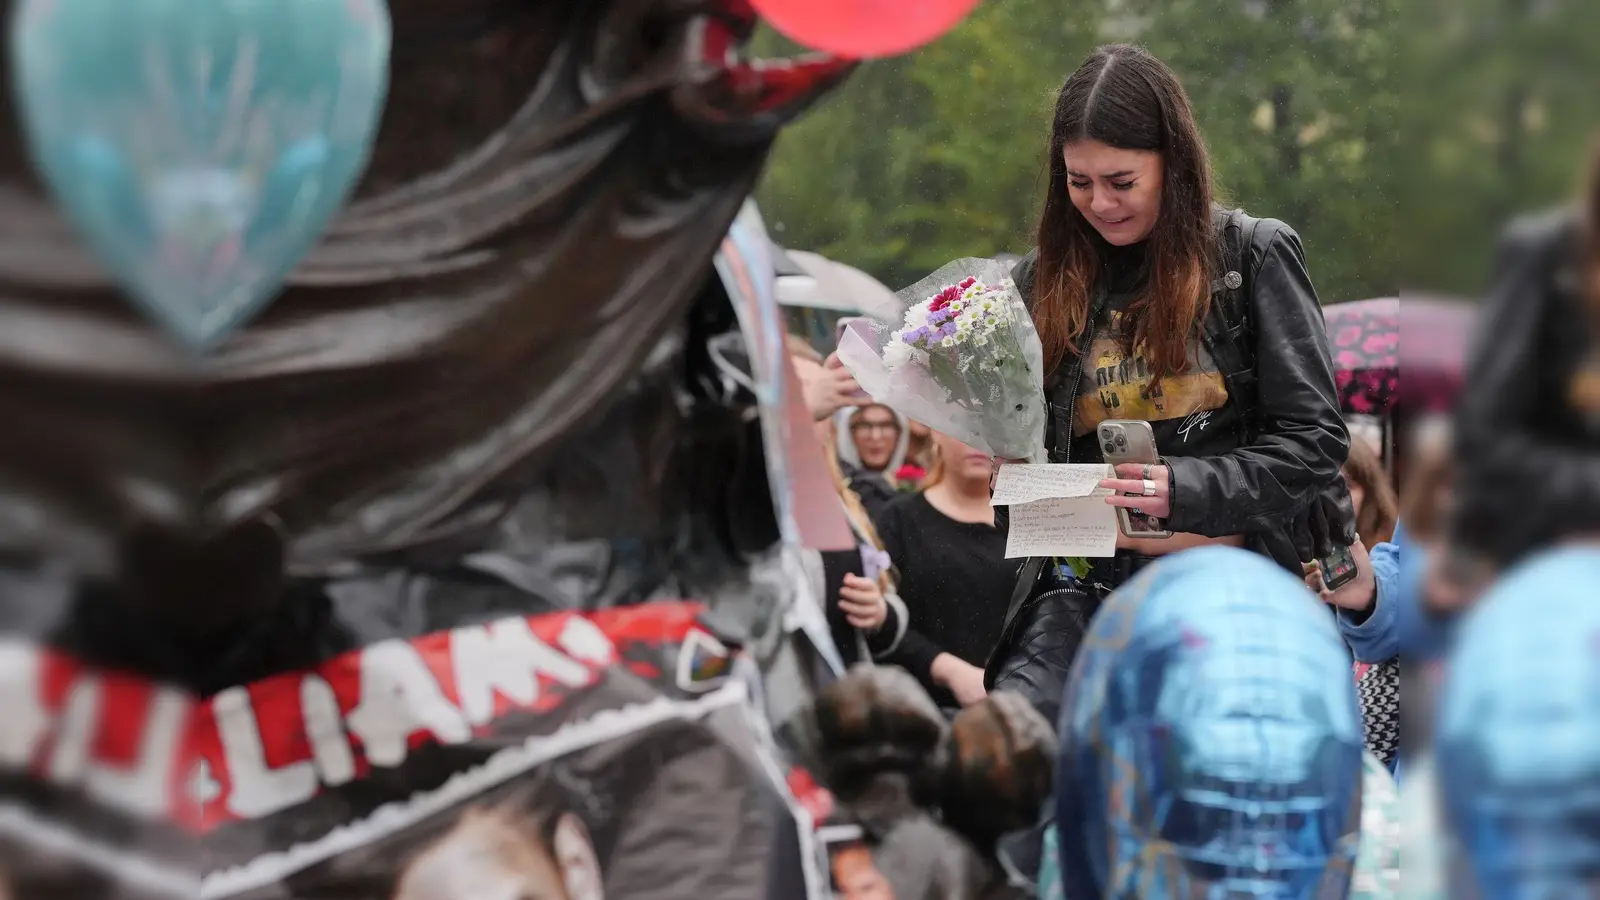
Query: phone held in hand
[[1132, 441], [1338, 568]]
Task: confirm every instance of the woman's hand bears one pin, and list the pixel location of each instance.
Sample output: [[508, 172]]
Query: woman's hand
[[1357, 596], [1131, 479], [863, 603], [962, 678], [829, 389]]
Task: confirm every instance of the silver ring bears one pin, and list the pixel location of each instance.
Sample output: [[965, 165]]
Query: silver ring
[[1147, 475], [1149, 488]]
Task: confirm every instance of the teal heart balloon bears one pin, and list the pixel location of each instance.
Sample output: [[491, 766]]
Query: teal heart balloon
[[200, 147]]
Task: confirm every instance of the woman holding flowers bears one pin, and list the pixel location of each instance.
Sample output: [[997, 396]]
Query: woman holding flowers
[[1152, 303]]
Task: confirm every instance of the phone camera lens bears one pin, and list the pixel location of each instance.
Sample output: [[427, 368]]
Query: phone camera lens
[[1122, 440], [1110, 448]]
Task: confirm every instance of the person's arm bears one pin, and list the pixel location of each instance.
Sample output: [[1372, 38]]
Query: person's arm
[[1512, 470], [1302, 442], [916, 653], [1373, 629], [827, 572], [1381, 614], [888, 638]]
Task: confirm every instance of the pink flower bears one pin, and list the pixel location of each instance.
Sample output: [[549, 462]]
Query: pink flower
[[950, 294]]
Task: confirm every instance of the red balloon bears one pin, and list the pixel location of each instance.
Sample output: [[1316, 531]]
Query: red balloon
[[862, 29]]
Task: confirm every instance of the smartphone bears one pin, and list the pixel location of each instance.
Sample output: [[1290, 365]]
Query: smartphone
[[1132, 441], [1338, 568]]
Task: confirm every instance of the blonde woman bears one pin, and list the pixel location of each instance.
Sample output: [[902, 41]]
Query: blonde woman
[[865, 615], [953, 573]]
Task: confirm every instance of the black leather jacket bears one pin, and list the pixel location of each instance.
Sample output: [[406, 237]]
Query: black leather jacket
[[1525, 445], [1298, 440], [1263, 488]]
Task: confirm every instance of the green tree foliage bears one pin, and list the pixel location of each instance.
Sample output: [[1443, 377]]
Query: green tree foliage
[[1500, 117], [922, 159], [1395, 135]]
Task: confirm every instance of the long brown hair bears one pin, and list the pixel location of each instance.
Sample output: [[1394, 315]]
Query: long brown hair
[[1430, 473], [1379, 506], [1126, 98]]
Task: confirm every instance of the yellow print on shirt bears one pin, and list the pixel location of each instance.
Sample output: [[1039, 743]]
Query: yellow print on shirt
[[1116, 387]]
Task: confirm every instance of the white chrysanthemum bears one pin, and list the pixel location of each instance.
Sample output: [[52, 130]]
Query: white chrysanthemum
[[896, 353]]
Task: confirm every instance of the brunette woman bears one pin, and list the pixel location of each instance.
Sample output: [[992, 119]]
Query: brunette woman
[[1373, 496], [1153, 303]]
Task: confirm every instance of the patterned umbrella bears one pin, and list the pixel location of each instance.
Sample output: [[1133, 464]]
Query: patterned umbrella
[[1365, 339], [1368, 353], [1434, 333]]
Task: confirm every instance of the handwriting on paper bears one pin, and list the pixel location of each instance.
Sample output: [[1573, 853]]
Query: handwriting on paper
[[1062, 526], [1027, 483]]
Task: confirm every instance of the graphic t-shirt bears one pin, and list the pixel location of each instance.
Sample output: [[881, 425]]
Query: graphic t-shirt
[[1183, 410]]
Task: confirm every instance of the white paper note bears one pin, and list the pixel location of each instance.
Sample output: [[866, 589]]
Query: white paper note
[[1019, 483], [1063, 526]]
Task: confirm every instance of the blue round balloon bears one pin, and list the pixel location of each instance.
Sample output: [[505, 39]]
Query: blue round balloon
[[200, 149], [1211, 739], [1518, 734]]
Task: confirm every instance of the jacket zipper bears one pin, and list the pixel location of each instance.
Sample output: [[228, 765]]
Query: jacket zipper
[[1098, 306]]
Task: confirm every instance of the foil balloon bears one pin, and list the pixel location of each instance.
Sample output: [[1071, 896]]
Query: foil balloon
[[1518, 735], [200, 149], [863, 29], [1212, 742]]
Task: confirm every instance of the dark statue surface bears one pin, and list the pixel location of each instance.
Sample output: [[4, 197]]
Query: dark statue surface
[[520, 260]]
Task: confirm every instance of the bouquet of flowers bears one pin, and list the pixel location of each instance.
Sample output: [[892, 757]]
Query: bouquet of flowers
[[963, 358]]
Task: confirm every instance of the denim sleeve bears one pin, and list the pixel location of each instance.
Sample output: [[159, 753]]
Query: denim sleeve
[[1377, 639]]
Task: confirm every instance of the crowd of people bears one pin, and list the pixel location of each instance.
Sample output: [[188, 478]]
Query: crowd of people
[[1142, 315], [1155, 303], [458, 573]]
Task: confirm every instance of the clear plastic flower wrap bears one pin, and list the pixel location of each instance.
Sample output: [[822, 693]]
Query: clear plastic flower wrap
[[963, 359]]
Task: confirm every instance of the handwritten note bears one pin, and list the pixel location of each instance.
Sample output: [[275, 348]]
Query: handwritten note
[[1063, 526], [1018, 483]]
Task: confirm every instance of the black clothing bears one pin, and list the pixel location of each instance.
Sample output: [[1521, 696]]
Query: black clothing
[[1261, 437], [954, 579], [1524, 443], [835, 565], [1189, 413], [1037, 653], [873, 488]]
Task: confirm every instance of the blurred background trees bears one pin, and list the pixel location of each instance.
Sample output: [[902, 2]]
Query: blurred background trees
[[1395, 135]]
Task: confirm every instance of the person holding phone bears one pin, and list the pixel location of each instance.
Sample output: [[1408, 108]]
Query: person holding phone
[[1155, 304]]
